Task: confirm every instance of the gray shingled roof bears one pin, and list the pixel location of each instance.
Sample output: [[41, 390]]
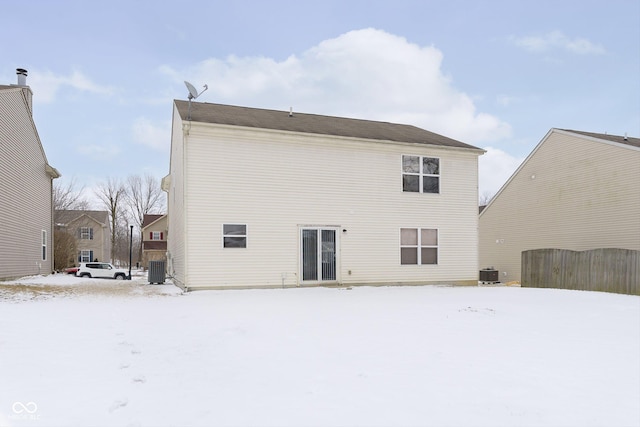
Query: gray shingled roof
[[312, 123], [66, 216], [634, 142], [149, 218]]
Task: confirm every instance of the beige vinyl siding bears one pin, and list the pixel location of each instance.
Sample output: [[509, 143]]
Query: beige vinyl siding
[[159, 225], [175, 205], [25, 205], [101, 238], [573, 192], [276, 182]]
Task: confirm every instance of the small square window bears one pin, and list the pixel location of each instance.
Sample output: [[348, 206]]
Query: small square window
[[234, 235]]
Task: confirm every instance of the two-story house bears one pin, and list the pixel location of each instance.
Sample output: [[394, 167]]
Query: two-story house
[[26, 189], [92, 231], [264, 198], [154, 239]]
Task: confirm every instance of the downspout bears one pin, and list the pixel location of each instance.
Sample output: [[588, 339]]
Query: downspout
[[53, 174], [185, 222]]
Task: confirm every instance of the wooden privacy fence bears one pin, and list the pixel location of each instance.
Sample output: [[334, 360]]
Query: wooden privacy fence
[[605, 270]]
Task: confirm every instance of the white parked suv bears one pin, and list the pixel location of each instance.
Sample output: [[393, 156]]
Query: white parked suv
[[101, 269]]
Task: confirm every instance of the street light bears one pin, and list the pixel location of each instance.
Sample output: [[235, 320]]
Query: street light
[[130, 249]]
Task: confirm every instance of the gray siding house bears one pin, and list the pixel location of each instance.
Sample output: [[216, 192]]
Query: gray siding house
[[26, 208], [576, 190]]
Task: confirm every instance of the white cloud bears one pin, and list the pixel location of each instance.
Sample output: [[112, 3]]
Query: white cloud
[[366, 74], [505, 100], [99, 151], [495, 167], [558, 40], [155, 136], [46, 84]]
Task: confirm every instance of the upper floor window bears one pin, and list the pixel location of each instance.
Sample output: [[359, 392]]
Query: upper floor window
[[420, 174], [156, 235], [234, 235], [86, 233]]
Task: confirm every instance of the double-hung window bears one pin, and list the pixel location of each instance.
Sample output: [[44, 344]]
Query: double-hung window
[[234, 235], [85, 256], [156, 235], [418, 246], [86, 233], [420, 174]]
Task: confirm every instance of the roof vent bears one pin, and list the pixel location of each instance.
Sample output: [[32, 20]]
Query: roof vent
[[290, 111], [625, 137], [22, 76]]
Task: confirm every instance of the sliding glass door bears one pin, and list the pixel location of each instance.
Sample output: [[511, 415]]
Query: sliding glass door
[[318, 254]]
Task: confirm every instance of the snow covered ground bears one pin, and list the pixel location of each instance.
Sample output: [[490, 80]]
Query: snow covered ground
[[78, 352]]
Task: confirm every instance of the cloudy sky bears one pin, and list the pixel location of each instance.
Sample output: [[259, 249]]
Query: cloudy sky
[[495, 74]]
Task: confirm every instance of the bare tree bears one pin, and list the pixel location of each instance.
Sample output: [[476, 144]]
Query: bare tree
[[112, 194], [68, 197], [485, 198], [144, 196], [64, 247]]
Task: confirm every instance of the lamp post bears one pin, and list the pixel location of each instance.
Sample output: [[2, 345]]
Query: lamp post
[[130, 249]]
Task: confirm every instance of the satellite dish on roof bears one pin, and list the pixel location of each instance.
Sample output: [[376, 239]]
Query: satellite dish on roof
[[193, 94]]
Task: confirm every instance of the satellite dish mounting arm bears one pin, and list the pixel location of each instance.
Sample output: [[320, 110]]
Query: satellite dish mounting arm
[[193, 94]]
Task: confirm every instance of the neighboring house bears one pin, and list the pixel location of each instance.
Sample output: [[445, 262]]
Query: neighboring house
[[263, 198], [576, 190], [154, 239], [26, 187], [92, 231]]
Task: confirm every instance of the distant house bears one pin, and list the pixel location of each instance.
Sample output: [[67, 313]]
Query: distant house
[[26, 208], [154, 239], [264, 198], [92, 231], [576, 190]]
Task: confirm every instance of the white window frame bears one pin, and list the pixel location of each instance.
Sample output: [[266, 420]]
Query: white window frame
[[157, 235], [86, 233], [420, 174], [85, 254], [419, 246], [44, 245], [245, 235]]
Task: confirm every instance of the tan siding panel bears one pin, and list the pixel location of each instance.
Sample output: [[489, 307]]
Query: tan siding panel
[[573, 193]]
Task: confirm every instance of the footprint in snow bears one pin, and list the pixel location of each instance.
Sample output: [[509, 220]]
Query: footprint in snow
[[118, 404], [140, 379]]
